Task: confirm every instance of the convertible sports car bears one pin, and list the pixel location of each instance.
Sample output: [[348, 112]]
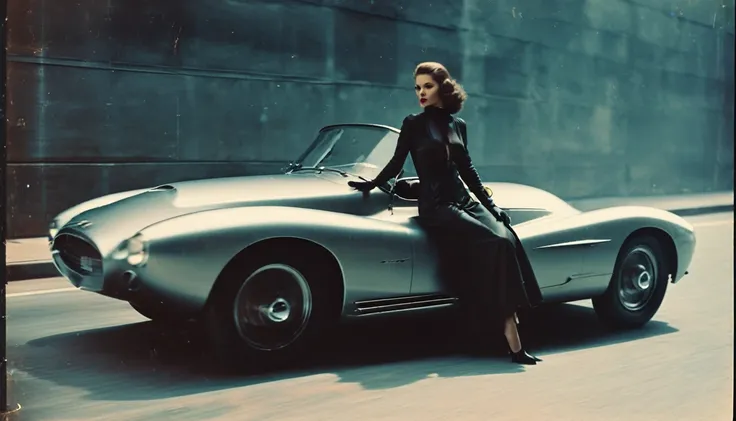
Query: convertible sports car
[[268, 262]]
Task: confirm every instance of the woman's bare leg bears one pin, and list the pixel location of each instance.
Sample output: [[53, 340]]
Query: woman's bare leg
[[512, 334], [518, 355]]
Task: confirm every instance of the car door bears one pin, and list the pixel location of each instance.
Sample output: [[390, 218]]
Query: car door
[[424, 258], [391, 253]]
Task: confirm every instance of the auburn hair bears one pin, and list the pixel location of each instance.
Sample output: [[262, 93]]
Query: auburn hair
[[451, 92]]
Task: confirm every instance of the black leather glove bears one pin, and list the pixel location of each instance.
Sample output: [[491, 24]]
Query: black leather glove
[[364, 186], [502, 215], [497, 212]]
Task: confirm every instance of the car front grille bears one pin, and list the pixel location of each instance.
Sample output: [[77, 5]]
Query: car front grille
[[78, 255]]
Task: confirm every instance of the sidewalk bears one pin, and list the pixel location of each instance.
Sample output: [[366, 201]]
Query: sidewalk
[[683, 205], [30, 258]]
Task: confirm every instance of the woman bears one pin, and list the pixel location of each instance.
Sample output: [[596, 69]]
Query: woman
[[437, 142]]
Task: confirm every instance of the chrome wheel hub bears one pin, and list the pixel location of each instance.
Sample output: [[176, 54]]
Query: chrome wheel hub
[[278, 311], [644, 280], [638, 278], [272, 307]]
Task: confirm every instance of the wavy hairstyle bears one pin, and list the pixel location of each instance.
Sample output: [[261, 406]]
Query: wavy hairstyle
[[451, 92]]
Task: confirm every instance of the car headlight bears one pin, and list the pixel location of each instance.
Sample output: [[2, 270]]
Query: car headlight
[[134, 250]]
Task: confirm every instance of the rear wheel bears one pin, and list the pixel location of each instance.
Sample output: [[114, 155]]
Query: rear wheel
[[268, 310], [637, 287]]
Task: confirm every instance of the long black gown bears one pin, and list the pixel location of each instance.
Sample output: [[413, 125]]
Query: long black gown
[[483, 258]]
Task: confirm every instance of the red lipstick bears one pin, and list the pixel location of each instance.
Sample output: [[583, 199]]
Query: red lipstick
[[423, 100]]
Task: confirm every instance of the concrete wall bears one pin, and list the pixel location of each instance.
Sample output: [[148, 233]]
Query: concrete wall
[[583, 98]]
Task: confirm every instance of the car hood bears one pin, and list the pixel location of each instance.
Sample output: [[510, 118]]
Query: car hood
[[116, 221], [109, 220], [519, 196]]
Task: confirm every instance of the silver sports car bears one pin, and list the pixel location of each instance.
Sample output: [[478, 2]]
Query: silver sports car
[[269, 261]]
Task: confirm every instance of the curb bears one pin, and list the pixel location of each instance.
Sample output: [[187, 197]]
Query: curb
[[26, 271], [704, 210]]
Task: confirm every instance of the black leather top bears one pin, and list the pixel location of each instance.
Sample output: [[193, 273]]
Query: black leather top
[[438, 144]]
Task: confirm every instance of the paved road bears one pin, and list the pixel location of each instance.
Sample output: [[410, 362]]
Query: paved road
[[77, 356]]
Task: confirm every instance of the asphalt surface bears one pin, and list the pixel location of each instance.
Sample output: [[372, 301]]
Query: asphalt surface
[[77, 356]]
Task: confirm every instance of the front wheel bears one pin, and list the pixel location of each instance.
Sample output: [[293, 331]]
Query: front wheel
[[269, 310], [637, 287]]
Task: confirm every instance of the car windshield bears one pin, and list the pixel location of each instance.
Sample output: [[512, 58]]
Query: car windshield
[[361, 149]]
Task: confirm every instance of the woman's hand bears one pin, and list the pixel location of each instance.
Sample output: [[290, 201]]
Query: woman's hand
[[497, 212], [503, 216], [363, 186]]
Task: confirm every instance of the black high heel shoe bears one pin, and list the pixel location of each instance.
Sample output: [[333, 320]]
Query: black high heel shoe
[[523, 357]]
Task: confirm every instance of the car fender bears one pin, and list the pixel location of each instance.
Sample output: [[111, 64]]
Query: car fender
[[187, 253], [621, 222], [68, 214], [596, 238]]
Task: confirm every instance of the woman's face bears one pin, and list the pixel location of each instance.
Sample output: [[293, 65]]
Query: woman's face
[[427, 91]]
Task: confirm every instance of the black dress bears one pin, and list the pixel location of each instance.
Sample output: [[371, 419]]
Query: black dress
[[483, 258]]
